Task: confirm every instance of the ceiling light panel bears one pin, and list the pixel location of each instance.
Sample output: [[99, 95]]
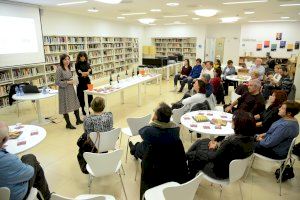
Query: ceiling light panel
[[71, 3], [206, 12], [120, 17], [128, 14], [93, 10], [155, 10], [284, 17], [290, 4], [109, 1], [172, 4], [249, 12], [276, 20], [229, 19], [146, 20], [244, 2], [174, 16]]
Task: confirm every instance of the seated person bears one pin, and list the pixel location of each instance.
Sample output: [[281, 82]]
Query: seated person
[[195, 73], [275, 143], [258, 67], [213, 158], [217, 64], [254, 75], [217, 86], [20, 175], [208, 87], [161, 151], [275, 78], [251, 101], [265, 119], [228, 70], [185, 72], [200, 96], [208, 69], [98, 121]]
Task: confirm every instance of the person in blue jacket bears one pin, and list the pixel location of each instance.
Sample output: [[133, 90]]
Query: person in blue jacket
[[195, 73]]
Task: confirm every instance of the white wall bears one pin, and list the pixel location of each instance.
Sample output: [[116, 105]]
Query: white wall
[[178, 31], [58, 23], [255, 33]]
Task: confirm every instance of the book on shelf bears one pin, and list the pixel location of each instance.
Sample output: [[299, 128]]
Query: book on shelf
[[4, 102], [54, 39], [4, 76], [55, 48], [75, 39], [4, 90]]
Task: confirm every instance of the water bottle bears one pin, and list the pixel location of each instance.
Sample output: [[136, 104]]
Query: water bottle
[[21, 91], [17, 91]]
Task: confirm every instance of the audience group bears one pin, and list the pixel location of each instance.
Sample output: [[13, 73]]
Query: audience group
[[267, 130]]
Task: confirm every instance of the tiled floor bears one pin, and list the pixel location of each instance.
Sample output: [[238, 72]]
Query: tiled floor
[[57, 154]]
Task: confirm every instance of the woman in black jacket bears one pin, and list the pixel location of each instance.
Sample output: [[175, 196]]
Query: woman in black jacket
[[214, 159], [265, 119], [83, 70]]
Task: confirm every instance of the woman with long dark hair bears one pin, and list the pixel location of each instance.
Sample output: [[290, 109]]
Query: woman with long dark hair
[[83, 70], [68, 102], [184, 73]]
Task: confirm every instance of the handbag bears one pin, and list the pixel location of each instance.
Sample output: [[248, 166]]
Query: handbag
[[288, 173]]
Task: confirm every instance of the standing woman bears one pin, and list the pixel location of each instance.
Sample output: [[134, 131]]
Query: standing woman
[[83, 70], [68, 101]]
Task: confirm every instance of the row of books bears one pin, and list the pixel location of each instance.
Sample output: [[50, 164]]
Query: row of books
[[51, 68], [38, 82], [119, 51], [52, 58], [107, 39], [92, 54], [188, 50], [18, 73], [78, 47], [96, 61], [94, 46], [174, 45], [108, 45], [4, 90], [75, 39], [54, 39], [55, 48], [4, 102], [4, 76], [119, 45], [93, 39], [108, 59]]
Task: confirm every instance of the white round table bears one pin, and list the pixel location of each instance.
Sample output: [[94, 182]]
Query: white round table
[[239, 78], [36, 97], [207, 127], [30, 137]]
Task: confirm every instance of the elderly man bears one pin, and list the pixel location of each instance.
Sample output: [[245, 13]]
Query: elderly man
[[20, 175], [259, 68], [251, 101]]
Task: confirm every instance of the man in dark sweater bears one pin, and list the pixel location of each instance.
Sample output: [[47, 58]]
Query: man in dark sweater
[[251, 101]]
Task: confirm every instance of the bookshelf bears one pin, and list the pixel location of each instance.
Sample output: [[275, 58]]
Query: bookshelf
[[170, 46], [106, 54]]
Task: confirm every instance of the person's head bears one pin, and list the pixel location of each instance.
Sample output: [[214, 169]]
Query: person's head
[[229, 63], [254, 86], [82, 57], [289, 109], [277, 97], [198, 61], [98, 104], [243, 123], [186, 62], [205, 78], [65, 61], [218, 62], [3, 133], [217, 72], [199, 86], [254, 74], [258, 61], [283, 71], [208, 64], [163, 113], [276, 68]]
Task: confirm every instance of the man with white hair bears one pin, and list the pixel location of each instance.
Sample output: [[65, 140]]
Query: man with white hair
[[20, 175], [259, 68], [251, 101]]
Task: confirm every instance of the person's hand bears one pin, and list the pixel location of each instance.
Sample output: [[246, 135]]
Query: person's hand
[[85, 74], [71, 82], [212, 145], [257, 116], [258, 124], [228, 109], [260, 137], [181, 76]]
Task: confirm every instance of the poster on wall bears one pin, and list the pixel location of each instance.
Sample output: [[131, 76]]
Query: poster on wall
[[278, 36], [273, 47], [282, 44], [297, 45], [258, 47], [290, 47], [266, 44]]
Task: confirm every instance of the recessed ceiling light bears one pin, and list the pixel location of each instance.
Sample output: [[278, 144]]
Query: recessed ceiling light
[[276, 20], [244, 2], [109, 1], [229, 19], [175, 23], [172, 4], [195, 18], [128, 14], [170, 16], [147, 20], [206, 12], [71, 3], [290, 4], [249, 12], [93, 10], [155, 10], [120, 17], [284, 17]]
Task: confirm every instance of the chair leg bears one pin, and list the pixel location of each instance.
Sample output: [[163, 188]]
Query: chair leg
[[123, 169], [281, 170], [127, 150], [90, 183], [221, 190], [248, 168], [40, 194], [120, 140], [123, 186], [240, 189]]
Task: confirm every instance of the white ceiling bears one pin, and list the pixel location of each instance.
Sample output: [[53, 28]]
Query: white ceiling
[[263, 11]]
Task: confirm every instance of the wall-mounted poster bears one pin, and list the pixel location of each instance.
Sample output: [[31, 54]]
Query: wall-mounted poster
[[297, 45], [290, 47], [282, 44], [273, 47], [266, 44], [258, 47], [278, 36]]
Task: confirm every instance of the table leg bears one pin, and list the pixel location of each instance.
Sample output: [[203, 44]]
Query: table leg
[[168, 73], [139, 95], [122, 97], [86, 104], [38, 111], [160, 82]]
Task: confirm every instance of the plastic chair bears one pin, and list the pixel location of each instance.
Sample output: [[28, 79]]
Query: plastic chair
[[4, 193], [83, 197], [237, 169], [283, 162], [174, 191], [177, 113], [134, 125], [103, 164], [107, 140], [234, 96]]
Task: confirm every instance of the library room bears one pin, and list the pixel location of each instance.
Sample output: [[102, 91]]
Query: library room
[[149, 100]]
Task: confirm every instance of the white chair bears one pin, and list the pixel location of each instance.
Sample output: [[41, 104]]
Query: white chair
[[103, 164], [283, 162], [106, 140], [177, 114], [4, 193], [84, 197], [174, 191], [234, 96], [237, 170], [134, 125]]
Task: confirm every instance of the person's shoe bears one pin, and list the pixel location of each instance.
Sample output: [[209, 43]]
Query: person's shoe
[[83, 112], [79, 122], [70, 126], [131, 147], [179, 91], [198, 135]]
